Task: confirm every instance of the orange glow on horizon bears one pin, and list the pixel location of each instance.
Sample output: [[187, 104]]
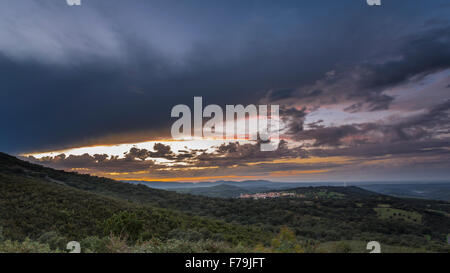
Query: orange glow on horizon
[[297, 172], [190, 179]]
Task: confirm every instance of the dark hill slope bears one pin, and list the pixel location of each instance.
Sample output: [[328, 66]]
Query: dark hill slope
[[33, 202], [319, 213]]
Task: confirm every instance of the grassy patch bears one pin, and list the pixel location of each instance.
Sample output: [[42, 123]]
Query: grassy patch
[[398, 214], [327, 195], [360, 247]]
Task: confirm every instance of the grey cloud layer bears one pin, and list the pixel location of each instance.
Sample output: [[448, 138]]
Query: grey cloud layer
[[363, 84], [82, 76], [136, 160], [110, 71]]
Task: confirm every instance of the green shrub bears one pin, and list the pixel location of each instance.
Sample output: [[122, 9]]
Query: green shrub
[[286, 242], [125, 225], [53, 239], [343, 247], [189, 235], [184, 246], [117, 245], [26, 246], [94, 244]]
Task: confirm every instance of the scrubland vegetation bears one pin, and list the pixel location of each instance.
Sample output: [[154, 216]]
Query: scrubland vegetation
[[42, 209]]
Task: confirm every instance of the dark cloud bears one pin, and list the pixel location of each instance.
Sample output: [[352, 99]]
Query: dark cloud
[[276, 95], [328, 136], [374, 102], [241, 154], [94, 163], [143, 160], [394, 150], [431, 125], [316, 125], [160, 151], [280, 94], [293, 118], [421, 53], [136, 153], [363, 84], [108, 73]]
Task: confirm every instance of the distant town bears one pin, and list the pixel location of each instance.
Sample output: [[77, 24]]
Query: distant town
[[267, 195]]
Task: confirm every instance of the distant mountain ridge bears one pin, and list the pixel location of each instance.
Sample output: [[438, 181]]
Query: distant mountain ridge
[[427, 190], [221, 190]]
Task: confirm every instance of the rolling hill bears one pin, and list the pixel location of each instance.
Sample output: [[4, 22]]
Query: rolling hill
[[437, 190], [35, 200]]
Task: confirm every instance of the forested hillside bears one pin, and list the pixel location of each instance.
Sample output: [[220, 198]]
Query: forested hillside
[[34, 204], [35, 201]]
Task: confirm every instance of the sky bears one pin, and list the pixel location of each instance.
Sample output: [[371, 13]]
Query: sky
[[364, 91]]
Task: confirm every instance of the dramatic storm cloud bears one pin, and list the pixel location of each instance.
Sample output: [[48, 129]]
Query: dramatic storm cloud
[[361, 89]]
